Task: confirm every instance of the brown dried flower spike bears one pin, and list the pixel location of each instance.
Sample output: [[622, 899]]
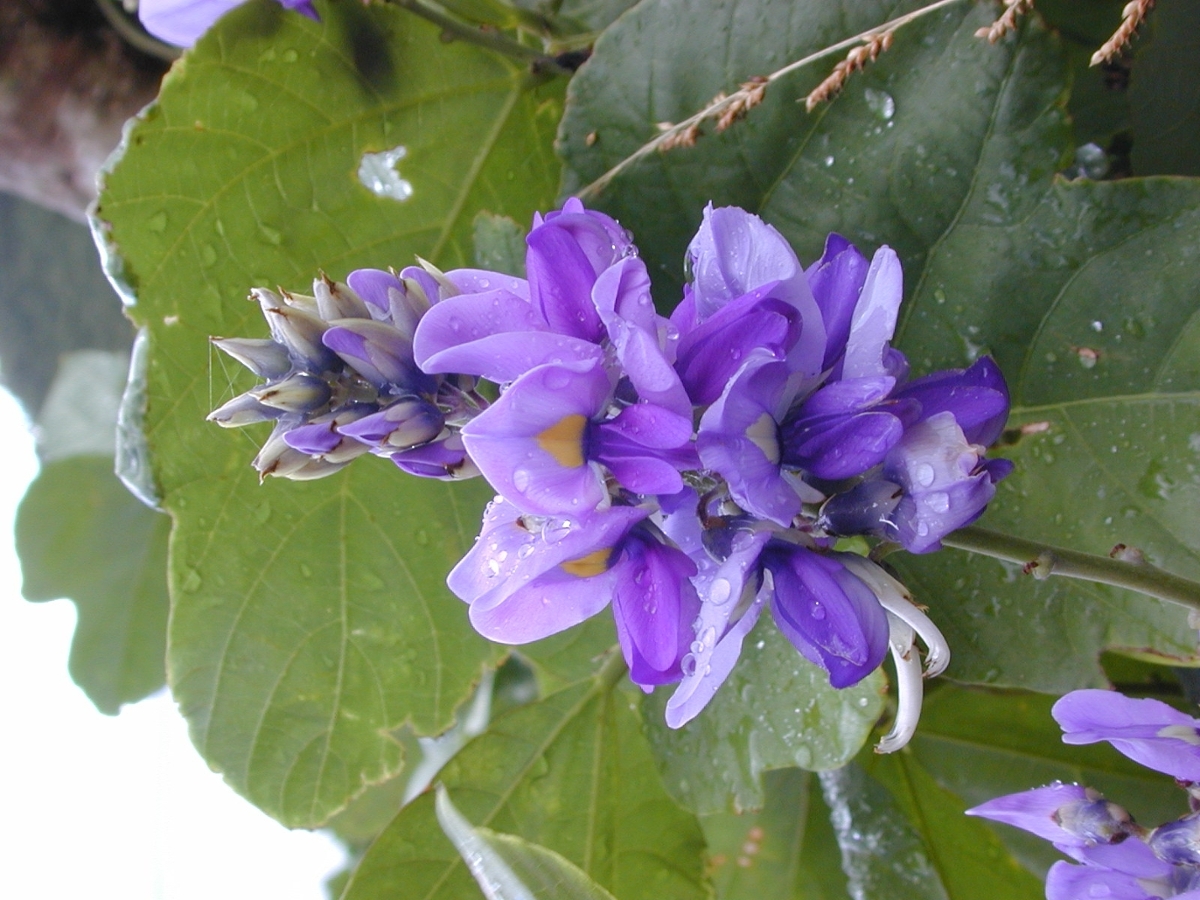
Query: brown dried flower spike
[[1132, 17], [855, 61], [1014, 9], [749, 96]]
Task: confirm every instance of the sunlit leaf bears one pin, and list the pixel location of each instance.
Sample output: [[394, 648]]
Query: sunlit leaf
[[310, 620], [571, 773]]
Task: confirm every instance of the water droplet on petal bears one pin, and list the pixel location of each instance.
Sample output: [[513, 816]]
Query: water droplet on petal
[[720, 590], [924, 474]]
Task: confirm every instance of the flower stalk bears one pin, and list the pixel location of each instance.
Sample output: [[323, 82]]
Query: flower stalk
[[1042, 561]]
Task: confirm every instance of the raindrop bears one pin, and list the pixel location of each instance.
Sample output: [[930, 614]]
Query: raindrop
[[555, 530], [493, 568], [290, 55], [817, 611], [1097, 326], [378, 174], [521, 478], [270, 235], [925, 474], [191, 580], [422, 537], [720, 590], [208, 255], [688, 665], [881, 103], [939, 502], [828, 161], [158, 222]]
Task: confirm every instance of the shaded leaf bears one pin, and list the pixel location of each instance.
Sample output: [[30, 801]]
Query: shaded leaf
[[571, 773], [80, 534], [508, 868], [1164, 92], [310, 620], [785, 851], [499, 244], [776, 710]]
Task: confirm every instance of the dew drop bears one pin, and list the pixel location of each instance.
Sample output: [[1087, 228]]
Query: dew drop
[[157, 222], [208, 255], [709, 637], [493, 568], [939, 502], [520, 479], [720, 590], [290, 55], [881, 103], [422, 537], [817, 611], [688, 665], [555, 530], [924, 474], [524, 551], [271, 235]]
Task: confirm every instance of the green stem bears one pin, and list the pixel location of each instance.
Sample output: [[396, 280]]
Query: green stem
[[1043, 560], [483, 37]]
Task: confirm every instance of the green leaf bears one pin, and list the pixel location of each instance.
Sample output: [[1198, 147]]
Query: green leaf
[[980, 745], [966, 855], [506, 866], [776, 710], [883, 855], [786, 851], [499, 244], [1084, 292], [571, 773], [81, 534], [310, 620]]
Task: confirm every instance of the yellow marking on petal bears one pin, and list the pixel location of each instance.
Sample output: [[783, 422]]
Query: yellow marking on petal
[[595, 563], [1182, 732], [764, 434], [564, 440]]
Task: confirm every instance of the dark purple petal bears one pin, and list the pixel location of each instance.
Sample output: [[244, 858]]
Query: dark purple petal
[[304, 7], [600, 237], [531, 444], [1178, 842], [864, 509], [1147, 731], [710, 355], [836, 280], [315, 440], [829, 614], [654, 607], [977, 397], [733, 253], [505, 357], [561, 276]]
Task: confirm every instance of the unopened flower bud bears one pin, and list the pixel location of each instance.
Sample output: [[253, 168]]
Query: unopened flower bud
[[376, 350], [299, 393], [338, 301], [297, 330], [406, 423], [1094, 820], [242, 410], [1178, 842], [263, 357], [278, 459]]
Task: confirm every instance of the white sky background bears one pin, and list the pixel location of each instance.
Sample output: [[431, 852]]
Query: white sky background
[[101, 807]]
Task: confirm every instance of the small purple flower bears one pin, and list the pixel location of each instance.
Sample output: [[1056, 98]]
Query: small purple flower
[[546, 444], [1147, 731], [1069, 816], [181, 22]]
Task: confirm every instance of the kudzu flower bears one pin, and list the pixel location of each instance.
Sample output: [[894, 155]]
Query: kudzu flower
[[182, 22], [686, 473], [1114, 856]]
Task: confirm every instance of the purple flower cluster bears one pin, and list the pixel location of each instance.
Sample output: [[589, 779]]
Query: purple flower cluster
[[689, 471], [1114, 856]]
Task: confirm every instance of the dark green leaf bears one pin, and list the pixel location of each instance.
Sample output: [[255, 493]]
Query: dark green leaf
[[310, 619], [785, 851], [776, 710], [1084, 292], [81, 534], [1164, 92], [570, 772]]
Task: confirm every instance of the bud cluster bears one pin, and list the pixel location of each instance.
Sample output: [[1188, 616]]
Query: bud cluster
[[690, 471]]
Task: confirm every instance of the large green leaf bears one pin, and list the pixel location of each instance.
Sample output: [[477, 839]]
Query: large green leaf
[[310, 619], [785, 851], [1164, 92], [81, 534], [946, 149], [571, 773], [979, 745], [776, 710]]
